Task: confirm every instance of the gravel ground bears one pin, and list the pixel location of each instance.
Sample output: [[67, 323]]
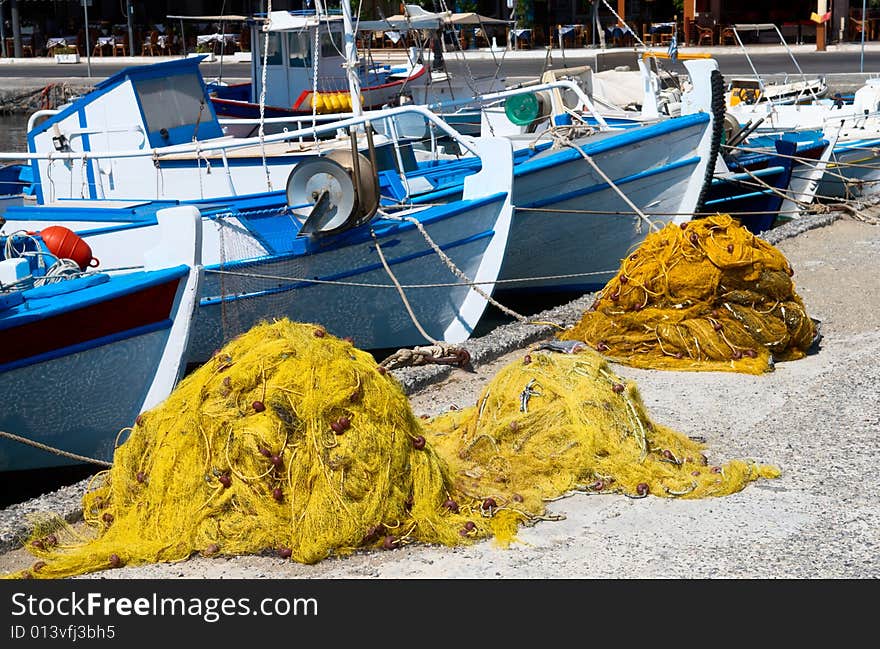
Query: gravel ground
[[816, 418]]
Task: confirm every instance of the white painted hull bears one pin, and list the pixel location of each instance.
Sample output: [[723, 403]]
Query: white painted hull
[[375, 317], [858, 181], [78, 402], [555, 244]]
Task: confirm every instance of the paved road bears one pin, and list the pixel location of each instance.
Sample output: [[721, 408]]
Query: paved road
[[731, 64]]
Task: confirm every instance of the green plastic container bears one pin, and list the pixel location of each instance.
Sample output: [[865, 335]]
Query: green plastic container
[[522, 110]]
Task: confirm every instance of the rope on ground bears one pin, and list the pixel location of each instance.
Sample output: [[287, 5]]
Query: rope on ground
[[851, 210], [52, 449]]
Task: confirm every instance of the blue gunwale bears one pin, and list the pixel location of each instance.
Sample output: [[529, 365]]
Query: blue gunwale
[[592, 189], [382, 227]]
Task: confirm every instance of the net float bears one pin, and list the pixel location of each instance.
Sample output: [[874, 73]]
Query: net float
[[64, 243]]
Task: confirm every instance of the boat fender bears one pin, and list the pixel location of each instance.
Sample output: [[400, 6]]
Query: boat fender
[[716, 81], [64, 243]]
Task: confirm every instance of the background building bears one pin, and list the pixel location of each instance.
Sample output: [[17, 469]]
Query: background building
[[29, 24]]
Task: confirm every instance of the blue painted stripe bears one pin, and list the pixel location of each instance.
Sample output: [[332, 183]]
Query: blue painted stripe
[[91, 344], [621, 181], [856, 144], [766, 171], [362, 234], [344, 275], [621, 140], [90, 172], [738, 197]]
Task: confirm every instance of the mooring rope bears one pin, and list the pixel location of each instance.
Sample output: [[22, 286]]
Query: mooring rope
[[52, 449], [261, 132], [566, 141], [401, 292], [336, 282], [455, 269]]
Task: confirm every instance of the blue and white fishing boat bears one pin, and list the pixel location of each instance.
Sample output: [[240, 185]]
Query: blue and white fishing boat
[[584, 198], [853, 167], [294, 50], [265, 257], [287, 57], [150, 133], [85, 352]]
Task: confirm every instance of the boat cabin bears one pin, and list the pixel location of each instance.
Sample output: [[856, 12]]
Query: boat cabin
[[140, 108], [292, 58]]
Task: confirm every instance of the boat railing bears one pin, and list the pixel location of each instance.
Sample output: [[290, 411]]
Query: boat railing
[[230, 144], [46, 112], [227, 144], [770, 26]]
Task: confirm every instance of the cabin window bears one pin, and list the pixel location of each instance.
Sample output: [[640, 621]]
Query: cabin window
[[332, 44], [300, 50], [169, 102], [274, 51]]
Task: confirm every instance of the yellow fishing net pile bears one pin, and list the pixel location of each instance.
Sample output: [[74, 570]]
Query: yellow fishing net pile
[[293, 442], [289, 440], [554, 423], [708, 295]]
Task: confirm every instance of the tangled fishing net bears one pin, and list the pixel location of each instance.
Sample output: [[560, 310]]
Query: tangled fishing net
[[556, 423], [294, 442], [288, 440], [706, 295]]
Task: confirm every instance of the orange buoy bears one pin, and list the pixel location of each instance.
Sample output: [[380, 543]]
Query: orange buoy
[[66, 244]]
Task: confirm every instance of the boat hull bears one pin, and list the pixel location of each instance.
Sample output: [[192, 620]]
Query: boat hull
[[79, 396], [234, 298]]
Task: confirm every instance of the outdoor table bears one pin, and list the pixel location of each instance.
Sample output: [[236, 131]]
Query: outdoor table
[[521, 35], [666, 30], [569, 30], [59, 41], [106, 40], [223, 39]]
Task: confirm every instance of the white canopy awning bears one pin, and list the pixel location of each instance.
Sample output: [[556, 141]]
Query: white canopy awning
[[417, 18], [281, 21], [744, 27], [230, 18]]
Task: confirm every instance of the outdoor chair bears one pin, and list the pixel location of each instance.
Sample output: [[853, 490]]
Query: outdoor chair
[[120, 46], [705, 35], [726, 34], [151, 45]]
